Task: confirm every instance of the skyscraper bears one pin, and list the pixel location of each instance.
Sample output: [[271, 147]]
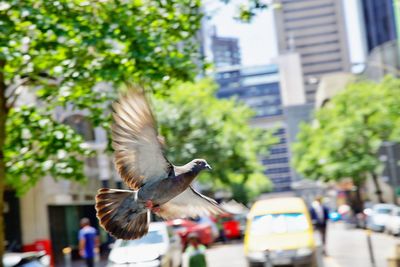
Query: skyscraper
[[379, 21], [225, 50], [259, 88], [316, 30]]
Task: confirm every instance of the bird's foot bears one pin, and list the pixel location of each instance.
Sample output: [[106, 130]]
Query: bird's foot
[[150, 205]]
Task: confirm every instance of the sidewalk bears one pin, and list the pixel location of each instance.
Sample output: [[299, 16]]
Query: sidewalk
[[349, 248]]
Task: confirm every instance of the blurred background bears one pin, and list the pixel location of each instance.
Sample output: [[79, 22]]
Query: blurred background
[[294, 103]]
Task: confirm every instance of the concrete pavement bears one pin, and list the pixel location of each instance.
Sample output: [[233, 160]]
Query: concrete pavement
[[349, 247]]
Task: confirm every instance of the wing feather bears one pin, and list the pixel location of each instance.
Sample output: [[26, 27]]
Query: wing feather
[[139, 154], [189, 203]]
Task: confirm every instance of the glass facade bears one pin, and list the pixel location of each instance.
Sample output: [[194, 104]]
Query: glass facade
[[258, 87], [380, 22], [225, 51]]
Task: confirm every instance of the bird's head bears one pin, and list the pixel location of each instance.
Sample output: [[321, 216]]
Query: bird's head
[[198, 165]]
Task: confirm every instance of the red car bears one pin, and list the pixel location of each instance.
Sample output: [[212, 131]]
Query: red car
[[231, 226], [184, 227]]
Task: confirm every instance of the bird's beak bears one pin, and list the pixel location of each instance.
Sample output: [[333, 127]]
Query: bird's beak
[[208, 167]]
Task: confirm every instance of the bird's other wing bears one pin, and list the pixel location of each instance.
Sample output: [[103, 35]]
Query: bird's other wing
[[138, 149], [189, 203]]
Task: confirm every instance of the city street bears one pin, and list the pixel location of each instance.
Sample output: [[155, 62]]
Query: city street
[[346, 248], [137, 133]]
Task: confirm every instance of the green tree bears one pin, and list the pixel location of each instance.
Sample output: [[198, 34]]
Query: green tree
[[196, 124], [61, 50], [343, 140], [247, 10]]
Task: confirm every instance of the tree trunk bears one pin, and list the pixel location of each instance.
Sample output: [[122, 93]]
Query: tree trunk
[[358, 201], [378, 190], [3, 117]]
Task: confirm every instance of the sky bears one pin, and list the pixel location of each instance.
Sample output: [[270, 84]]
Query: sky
[[257, 39]]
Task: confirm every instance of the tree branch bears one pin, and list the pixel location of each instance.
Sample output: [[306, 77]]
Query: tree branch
[[12, 97], [13, 101], [13, 87]]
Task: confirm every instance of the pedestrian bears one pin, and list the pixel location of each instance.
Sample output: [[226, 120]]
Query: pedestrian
[[320, 217], [221, 230], [88, 242], [195, 252]]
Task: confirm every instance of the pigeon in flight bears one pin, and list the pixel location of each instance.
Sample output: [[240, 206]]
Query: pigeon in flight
[[157, 185]]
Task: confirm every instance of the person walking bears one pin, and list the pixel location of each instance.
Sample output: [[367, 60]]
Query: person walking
[[88, 242], [320, 217], [194, 252], [220, 225]]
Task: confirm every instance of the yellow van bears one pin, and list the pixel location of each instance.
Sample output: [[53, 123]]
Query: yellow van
[[279, 232]]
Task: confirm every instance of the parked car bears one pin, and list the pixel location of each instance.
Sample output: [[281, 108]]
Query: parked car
[[161, 247], [378, 217], [392, 225], [26, 259], [361, 218], [239, 213], [279, 232], [242, 219], [231, 225], [208, 221], [183, 227]]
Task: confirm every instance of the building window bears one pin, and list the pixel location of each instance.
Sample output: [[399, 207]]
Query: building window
[[318, 44], [324, 15], [321, 62], [322, 72], [280, 150], [292, 10], [277, 170], [334, 51], [309, 26], [275, 161], [318, 34]]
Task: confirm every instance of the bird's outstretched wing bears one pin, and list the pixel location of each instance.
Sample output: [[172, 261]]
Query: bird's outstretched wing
[[139, 154], [189, 203]]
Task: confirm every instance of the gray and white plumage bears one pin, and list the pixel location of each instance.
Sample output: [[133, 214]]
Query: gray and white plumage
[[140, 161]]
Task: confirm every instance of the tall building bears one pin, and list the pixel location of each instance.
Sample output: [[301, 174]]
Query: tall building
[[225, 51], [396, 7], [259, 88], [379, 21], [294, 104], [315, 29]]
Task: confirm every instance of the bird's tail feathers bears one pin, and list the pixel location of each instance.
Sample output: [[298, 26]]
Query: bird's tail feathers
[[120, 214]]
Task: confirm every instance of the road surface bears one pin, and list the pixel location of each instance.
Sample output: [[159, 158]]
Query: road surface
[[345, 248]]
